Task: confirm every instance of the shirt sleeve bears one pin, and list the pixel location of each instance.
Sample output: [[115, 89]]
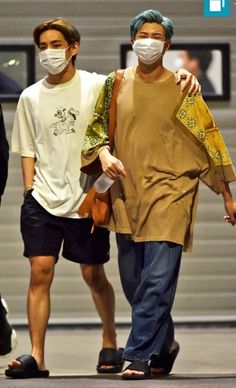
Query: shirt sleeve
[[22, 141], [96, 136], [196, 117]]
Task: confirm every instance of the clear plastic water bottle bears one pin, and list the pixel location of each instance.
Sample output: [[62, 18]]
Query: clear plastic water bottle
[[103, 183]]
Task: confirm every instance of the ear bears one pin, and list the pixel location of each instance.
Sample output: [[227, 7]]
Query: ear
[[132, 42], [75, 48], [167, 45]]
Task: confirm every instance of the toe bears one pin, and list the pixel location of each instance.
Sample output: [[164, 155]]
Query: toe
[[131, 372], [14, 364]]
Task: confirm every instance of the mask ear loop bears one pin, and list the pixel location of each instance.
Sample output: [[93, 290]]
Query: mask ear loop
[[68, 60], [71, 55]]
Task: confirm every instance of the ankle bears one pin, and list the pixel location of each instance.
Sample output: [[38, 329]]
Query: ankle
[[109, 339], [39, 359]]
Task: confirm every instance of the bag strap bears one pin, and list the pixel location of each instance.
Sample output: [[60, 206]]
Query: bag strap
[[113, 106]]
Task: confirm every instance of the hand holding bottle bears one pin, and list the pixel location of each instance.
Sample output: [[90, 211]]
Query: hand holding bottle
[[112, 168]]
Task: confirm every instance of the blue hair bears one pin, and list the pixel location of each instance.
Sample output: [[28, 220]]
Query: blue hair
[[151, 16]]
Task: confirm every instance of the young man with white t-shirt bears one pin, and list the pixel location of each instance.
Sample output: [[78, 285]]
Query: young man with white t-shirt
[[49, 128], [51, 118]]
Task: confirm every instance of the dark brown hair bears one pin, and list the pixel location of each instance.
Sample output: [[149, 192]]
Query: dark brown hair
[[68, 30]]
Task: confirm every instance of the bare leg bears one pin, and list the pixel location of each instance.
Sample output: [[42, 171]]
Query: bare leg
[[104, 299], [38, 305]]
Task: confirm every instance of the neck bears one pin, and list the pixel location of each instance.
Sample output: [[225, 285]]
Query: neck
[[66, 75], [151, 72]]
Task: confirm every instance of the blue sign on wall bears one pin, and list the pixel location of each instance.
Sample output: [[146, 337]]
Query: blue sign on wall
[[216, 8]]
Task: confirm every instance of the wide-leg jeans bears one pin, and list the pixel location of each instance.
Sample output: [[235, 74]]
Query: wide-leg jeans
[[149, 274]]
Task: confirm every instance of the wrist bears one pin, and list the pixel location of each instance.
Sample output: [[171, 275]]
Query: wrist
[[26, 189], [105, 151]]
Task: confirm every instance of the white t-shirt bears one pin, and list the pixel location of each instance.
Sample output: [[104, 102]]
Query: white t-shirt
[[50, 125]]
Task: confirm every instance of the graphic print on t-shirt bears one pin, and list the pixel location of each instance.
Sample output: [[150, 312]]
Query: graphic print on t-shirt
[[66, 121]]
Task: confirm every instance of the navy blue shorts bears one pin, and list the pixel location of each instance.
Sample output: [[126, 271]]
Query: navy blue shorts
[[43, 235]]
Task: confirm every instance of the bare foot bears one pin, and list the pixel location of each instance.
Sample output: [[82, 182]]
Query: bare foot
[[158, 371], [131, 372], [165, 364], [107, 366], [136, 370], [14, 364]]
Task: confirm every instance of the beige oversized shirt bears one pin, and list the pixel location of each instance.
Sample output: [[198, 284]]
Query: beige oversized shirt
[[163, 161]]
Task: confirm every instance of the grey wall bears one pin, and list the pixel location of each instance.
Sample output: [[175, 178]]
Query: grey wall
[[207, 286]]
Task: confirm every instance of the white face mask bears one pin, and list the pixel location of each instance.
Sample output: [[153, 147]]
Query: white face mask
[[148, 50], [53, 60]]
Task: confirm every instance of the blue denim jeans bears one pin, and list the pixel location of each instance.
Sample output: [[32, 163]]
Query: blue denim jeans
[[149, 274]]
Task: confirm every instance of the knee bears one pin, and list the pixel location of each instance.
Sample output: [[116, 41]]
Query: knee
[[95, 277], [41, 273]]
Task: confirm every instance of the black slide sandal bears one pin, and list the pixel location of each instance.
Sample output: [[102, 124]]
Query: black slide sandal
[[139, 366], [164, 362], [27, 370], [111, 358]]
